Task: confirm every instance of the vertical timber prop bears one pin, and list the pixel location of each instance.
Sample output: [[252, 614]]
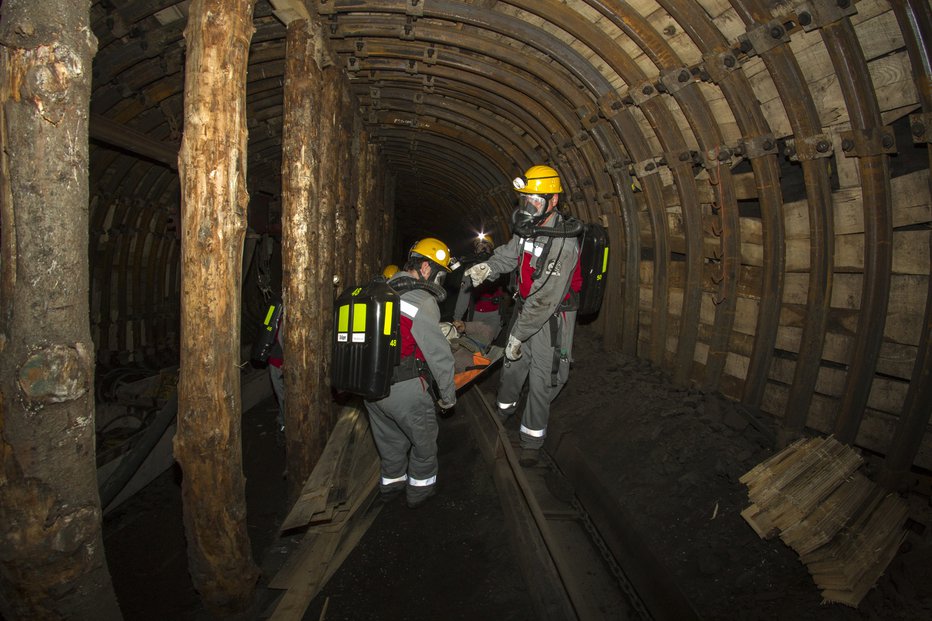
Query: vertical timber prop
[[212, 167], [53, 564], [300, 202], [329, 179]]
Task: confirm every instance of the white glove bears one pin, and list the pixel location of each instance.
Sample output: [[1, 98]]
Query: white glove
[[478, 273], [513, 348]]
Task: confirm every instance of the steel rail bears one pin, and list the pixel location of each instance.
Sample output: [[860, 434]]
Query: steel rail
[[553, 579], [800, 109]]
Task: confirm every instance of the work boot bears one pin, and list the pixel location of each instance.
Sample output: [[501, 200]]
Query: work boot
[[505, 413], [529, 457], [389, 494], [414, 504]]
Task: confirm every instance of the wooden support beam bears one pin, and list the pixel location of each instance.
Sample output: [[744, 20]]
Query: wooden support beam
[[115, 134], [212, 167], [306, 431], [52, 562]]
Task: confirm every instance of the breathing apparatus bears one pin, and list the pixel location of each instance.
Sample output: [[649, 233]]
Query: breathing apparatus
[[537, 187], [403, 283]]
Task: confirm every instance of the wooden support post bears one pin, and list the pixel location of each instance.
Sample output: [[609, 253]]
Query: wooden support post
[[330, 178], [212, 167], [300, 237], [51, 547], [369, 211]]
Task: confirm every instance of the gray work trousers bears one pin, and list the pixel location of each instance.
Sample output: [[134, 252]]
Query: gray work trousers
[[404, 426], [536, 367]]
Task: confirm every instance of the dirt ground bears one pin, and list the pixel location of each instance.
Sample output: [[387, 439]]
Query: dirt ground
[[673, 457]]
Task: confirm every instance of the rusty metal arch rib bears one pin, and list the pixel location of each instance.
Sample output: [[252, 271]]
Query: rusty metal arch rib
[[804, 119], [754, 127]]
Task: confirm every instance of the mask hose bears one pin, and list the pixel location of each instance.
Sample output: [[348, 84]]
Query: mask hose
[[406, 283], [525, 225]]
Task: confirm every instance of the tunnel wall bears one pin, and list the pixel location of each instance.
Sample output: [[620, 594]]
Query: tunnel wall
[[763, 169]]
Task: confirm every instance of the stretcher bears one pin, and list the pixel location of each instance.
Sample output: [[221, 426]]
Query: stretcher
[[480, 364]]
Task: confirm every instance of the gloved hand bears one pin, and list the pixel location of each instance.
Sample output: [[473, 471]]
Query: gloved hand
[[513, 348], [446, 409], [478, 273]]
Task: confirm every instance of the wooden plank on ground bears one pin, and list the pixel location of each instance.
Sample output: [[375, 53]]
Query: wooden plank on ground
[[314, 494]]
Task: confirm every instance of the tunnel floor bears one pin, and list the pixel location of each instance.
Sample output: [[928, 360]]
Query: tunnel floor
[[671, 458]]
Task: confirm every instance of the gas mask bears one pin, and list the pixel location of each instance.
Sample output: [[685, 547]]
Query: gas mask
[[437, 274], [530, 213]]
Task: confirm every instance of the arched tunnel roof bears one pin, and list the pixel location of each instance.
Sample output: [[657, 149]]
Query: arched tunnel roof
[[462, 96], [761, 162]]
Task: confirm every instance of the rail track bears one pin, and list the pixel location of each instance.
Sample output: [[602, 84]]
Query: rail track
[[581, 558]]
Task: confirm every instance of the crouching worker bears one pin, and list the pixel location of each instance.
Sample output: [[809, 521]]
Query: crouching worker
[[404, 424]]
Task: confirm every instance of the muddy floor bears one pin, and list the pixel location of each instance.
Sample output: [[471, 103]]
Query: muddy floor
[[672, 457]]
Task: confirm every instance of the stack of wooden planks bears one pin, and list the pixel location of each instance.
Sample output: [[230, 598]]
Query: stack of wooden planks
[[339, 501], [845, 528]]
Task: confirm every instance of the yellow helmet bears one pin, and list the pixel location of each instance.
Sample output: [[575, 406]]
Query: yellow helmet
[[389, 270], [483, 242], [539, 179], [433, 249]]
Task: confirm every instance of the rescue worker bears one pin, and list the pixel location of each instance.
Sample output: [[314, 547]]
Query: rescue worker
[[404, 424], [483, 303], [544, 251], [390, 270]]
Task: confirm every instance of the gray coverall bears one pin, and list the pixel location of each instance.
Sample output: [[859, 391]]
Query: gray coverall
[[404, 424], [533, 328]]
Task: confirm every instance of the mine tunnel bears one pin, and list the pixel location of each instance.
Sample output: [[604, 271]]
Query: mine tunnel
[[744, 432]]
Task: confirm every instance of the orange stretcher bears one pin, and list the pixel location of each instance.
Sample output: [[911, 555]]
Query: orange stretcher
[[481, 363]]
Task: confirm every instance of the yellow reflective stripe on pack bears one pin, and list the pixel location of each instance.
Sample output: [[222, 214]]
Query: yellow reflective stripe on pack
[[359, 317], [605, 260], [343, 319], [387, 327], [268, 316]]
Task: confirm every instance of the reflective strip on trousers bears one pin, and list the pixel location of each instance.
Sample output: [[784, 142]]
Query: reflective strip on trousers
[[534, 433], [422, 482], [388, 481], [505, 406]]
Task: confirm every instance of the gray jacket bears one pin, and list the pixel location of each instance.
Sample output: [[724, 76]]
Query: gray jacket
[[421, 308], [547, 292]]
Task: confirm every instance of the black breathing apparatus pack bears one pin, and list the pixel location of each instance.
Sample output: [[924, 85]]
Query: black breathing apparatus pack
[[366, 344], [593, 250]]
